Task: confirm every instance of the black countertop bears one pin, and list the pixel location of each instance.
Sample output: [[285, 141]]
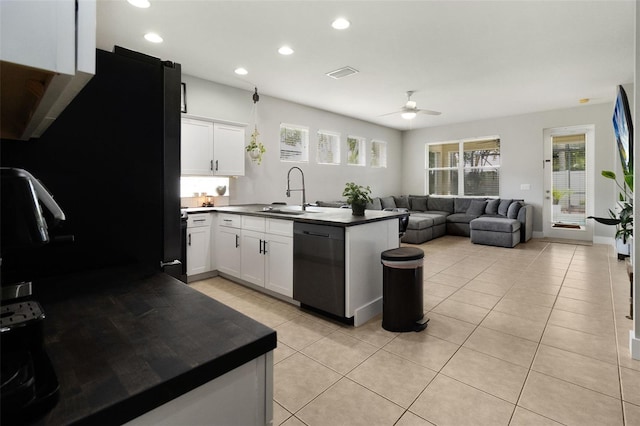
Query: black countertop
[[123, 342], [317, 215]]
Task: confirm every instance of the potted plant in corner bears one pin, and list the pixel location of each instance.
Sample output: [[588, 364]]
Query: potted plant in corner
[[255, 148], [358, 196], [557, 195], [622, 218]]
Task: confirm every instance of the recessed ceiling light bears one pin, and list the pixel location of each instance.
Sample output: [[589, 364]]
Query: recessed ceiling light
[[285, 50], [153, 38], [340, 24], [143, 4], [408, 115], [241, 71]]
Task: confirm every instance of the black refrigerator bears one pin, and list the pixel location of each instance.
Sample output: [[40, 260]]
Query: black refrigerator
[[112, 161]]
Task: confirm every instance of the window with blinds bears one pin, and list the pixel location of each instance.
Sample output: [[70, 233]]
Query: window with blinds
[[355, 151], [328, 147], [294, 143], [378, 154], [467, 167]]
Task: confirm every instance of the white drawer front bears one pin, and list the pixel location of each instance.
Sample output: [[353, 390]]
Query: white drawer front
[[280, 227], [229, 220], [253, 223], [195, 220]]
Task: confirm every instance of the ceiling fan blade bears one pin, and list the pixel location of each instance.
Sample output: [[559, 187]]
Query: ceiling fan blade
[[392, 113], [428, 112]]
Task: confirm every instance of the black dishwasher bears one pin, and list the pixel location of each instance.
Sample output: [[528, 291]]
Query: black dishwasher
[[318, 267]]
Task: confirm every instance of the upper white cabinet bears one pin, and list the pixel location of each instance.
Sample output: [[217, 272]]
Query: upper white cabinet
[[196, 147], [228, 150], [209, 148], [48, 54]]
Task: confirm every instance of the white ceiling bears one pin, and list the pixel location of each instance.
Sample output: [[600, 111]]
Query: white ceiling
[[470, 60]]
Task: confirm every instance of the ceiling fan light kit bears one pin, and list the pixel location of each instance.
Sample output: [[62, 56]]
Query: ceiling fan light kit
[[408, 115]]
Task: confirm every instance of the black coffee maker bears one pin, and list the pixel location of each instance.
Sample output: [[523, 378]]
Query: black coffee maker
[[29, 387]]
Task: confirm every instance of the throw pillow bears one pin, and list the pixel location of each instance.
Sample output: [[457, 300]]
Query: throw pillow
[[514, 208], [401, 202], [388, 203], [374, 205], [476, 208], [492, 206], [418, 203], [503, 207]]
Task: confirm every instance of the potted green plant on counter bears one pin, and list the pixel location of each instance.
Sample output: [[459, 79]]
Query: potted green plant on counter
[[358, 196]]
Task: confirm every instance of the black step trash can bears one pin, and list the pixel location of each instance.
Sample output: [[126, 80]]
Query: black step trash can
[[402, 298]]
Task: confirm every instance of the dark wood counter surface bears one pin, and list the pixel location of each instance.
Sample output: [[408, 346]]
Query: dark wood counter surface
[[123, 342], [316, 215]]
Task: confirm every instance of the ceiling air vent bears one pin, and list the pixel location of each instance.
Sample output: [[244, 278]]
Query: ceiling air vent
[[342, 72]]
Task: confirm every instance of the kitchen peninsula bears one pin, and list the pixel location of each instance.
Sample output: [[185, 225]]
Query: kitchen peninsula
[[259, 246]]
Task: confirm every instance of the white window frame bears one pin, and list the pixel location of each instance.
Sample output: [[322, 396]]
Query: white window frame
[[461, 164], [335, 147], [362, 153], [382, 161], [303, 157]]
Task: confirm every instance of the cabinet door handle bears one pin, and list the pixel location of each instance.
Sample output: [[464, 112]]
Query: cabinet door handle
[[260, 247], [211, 165], [237, 241], [189, 238], [216, 165], [264, 247]]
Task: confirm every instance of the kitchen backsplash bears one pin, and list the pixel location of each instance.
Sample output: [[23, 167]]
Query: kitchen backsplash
[[199, 201]]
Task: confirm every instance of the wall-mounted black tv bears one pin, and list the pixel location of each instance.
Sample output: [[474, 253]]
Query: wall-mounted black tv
[[623, 128]]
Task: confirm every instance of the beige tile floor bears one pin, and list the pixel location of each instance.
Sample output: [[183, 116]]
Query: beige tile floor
[[534, 335]]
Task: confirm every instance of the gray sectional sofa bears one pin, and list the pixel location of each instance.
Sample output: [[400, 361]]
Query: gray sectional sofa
[[490, 221]]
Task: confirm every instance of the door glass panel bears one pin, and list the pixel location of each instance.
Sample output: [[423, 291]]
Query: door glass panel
[[569, 180]]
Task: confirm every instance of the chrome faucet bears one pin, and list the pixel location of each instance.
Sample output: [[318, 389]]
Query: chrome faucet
[[304, 199]]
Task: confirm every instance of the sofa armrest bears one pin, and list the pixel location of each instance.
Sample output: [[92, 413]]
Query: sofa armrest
[[525, 217]]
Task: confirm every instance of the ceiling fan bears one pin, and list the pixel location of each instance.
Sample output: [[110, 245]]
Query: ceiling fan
[[410, 109]]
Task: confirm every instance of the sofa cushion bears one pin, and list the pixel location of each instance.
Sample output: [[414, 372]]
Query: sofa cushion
[[418, 203], [503, 207], [460, 218], [514, 208], [419, 222], [495, 224], [402, 202], [375, 204], [336, 204], [439, 218], [476, 208], [492, 206], [440, 204], [388, 203]]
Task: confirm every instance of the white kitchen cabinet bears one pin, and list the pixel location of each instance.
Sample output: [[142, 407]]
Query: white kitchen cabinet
[[198, 243], [228, 150], [227, 243], [196, 147], [267, 253], [48, 54]]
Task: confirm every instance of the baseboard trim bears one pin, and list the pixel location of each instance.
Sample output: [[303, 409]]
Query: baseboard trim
[[366, 312]]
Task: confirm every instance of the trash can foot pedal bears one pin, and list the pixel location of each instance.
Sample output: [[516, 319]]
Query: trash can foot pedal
[[421, 324]]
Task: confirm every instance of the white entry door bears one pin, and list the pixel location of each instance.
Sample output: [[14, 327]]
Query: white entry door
[[568, 183]]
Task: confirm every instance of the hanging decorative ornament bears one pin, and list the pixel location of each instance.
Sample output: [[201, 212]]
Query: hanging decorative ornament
[[255, 147]]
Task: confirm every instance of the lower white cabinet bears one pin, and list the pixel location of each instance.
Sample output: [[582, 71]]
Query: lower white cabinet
[[228, 244], [260, 251], [198, 243]]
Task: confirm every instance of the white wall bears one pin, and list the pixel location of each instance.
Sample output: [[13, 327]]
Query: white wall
[[522, 148], [267, 182]]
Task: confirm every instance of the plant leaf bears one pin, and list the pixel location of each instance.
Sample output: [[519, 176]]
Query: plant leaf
[[609, 174]]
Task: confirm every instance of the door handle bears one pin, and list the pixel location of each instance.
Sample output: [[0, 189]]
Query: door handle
[[264, 247], [189, 239], [211, 165], [237, 241], [260, 247], [216, 165]]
